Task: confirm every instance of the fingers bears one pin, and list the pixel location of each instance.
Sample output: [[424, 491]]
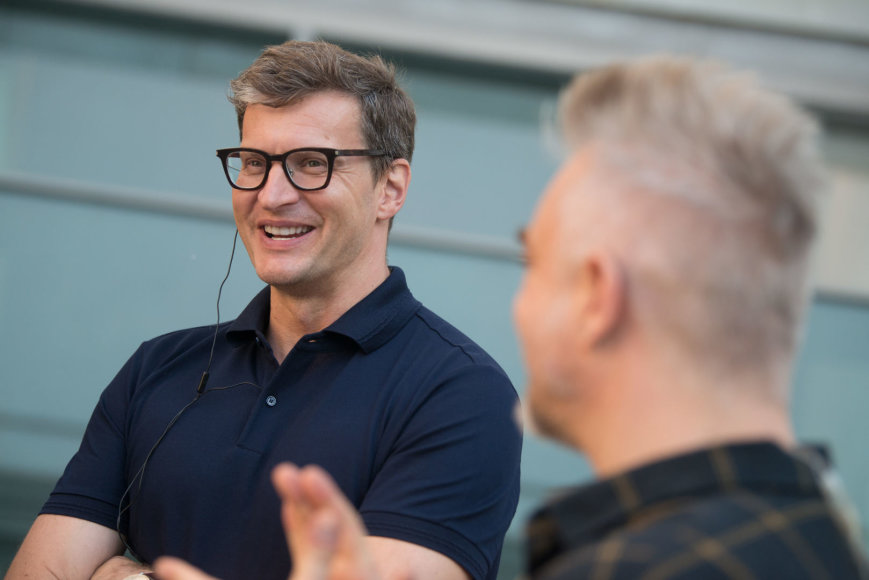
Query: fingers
[[174, 569], [325, 534], [304, 492], [312, 488], [310, 485], [321, 490], [285, 478], [315, 562], [311, 528]]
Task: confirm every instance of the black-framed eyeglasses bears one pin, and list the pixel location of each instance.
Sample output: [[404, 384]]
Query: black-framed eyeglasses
[[308, 169]]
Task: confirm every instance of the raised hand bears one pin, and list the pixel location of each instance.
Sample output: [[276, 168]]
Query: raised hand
[[325, 535]]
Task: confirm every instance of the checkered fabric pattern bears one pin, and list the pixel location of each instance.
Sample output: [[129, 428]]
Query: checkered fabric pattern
[[737, 512]]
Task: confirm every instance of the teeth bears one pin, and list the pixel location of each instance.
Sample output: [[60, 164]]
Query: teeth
[[274, 231]]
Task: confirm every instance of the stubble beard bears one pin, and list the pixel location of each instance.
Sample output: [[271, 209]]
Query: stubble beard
[[536, 419]]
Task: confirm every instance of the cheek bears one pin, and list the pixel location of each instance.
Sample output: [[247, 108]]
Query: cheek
[[534, 327], [348, 212], [240, 206], [522, 306], [545, 330]]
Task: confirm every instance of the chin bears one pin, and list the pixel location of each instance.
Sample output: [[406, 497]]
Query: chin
[[541, 424], [280, 275], [543, 412], [274, 278]]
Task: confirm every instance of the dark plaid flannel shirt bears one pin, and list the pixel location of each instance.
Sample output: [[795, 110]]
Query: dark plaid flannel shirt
[[740, 511]]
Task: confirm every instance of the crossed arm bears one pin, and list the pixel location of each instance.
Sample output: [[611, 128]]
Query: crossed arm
[[326, 538], [69, 548]]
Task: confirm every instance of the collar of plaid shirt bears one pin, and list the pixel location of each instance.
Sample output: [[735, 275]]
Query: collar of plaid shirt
[[588, 513]]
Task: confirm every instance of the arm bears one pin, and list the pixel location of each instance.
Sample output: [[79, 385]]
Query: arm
[[61, 543], [396, 560], [64, 547], [461, 512], [74, 536], [119, 567]]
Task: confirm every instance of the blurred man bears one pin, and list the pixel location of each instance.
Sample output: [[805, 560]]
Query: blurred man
[[334, 363], [660, 313]]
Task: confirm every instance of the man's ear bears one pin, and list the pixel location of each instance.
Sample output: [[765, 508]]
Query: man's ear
[[393, 189], [601, 298]]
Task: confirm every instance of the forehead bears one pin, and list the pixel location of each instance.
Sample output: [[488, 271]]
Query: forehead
[[561, 207], [329, 116]]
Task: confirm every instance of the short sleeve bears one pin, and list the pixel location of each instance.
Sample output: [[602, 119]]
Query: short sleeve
[[451, 481], [93, 481]]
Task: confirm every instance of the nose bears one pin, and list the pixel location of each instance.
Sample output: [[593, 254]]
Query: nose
[[277, 190]]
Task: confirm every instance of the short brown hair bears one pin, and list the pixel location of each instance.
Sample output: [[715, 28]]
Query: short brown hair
[[285, 74]]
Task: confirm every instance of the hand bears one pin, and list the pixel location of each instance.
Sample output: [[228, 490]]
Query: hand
[[174, 569], [325, 535], [118, 567]]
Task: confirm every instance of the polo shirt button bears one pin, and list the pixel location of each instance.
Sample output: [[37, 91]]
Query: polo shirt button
[[271, 401]]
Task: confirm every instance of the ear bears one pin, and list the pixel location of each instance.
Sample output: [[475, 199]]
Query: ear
[[601, 298], [393, 189]]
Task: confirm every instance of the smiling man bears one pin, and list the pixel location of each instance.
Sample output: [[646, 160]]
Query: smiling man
[[333, 363]]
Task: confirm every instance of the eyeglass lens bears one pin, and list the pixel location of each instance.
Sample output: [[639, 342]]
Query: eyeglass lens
[[307, 169]]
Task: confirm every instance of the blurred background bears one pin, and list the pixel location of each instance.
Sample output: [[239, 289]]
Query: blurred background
[[115, 219]]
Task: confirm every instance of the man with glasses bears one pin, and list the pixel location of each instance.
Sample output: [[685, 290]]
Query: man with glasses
[[333, 363]]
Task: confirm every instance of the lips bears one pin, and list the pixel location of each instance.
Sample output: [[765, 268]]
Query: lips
[[286, 233]]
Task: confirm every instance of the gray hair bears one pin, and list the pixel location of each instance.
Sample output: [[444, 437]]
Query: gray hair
[[718, 180], [285, 74]]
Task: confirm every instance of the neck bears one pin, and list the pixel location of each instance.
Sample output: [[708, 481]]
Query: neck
[[658, 419], [296, 312]]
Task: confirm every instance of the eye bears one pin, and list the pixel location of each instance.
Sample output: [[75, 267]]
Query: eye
[[308, 162], [252, 162], [313, 163]]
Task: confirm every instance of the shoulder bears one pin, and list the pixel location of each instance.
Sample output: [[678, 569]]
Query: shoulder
[[735, 535], [442, 335], [169, 351], [182, 337], [174, 343], [444, 358]]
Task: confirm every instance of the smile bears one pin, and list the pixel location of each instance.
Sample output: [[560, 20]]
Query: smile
[[280, 233]]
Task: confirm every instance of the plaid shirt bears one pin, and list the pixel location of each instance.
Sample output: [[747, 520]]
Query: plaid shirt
[[741, 511]]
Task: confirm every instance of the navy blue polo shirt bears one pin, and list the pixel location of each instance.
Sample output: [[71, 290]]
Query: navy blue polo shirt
[[411, 418]]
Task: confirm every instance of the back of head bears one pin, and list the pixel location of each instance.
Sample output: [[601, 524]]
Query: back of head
[[716, 180], [287, 73]]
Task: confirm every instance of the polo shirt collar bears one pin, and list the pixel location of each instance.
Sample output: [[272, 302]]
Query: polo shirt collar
[[378, 317], [370, 323], [253, 320], [587, 513]]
